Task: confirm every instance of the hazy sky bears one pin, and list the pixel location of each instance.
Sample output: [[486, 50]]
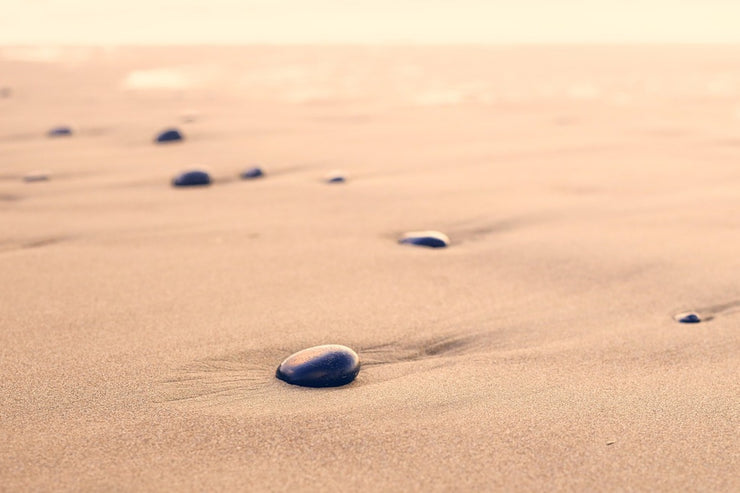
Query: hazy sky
[[418, 21]]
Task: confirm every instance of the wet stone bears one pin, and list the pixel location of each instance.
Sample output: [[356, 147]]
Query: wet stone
[[431, 239], [191, 178], [335, 177], [688, 318], [252, 173], [169, 135], [59, 132], [330, 365]]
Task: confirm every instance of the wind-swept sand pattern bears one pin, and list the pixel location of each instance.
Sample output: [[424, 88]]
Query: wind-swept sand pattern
[[590, 195]]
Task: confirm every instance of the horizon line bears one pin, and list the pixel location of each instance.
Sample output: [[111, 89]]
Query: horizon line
[[370, 44]]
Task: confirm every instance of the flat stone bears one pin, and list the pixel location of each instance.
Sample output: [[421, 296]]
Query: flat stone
[[688, 318], [252, 173], [335, 177], [169, 135], [36, 176], [331, 365], [431, 239], [59, 132], [192, 178]]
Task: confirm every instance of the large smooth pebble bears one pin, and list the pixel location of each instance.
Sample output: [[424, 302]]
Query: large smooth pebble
[[431, 239], [191, 178], [331, 365], [169, 135]]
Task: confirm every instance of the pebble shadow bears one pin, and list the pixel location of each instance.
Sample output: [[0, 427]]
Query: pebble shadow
[[473, 230], [248, 376], [709, 313]]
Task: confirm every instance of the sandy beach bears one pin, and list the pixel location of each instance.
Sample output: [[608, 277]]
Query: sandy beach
[[590, 194]]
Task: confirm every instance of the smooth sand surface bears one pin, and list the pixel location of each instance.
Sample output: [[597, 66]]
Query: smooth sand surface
[[590, 194]]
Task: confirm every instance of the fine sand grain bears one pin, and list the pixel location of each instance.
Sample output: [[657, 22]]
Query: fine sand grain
[[590, 195]]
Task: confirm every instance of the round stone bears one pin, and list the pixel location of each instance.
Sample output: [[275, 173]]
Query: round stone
[[191, 178], [169, 135], [36, 176], [252, 173], [59, 132], [688, 318], [431, 239], [335, 177], [331, 365]]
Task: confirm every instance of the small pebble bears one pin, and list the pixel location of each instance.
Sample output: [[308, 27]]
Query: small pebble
[[252, 173], [169, 135], [335, 177], [59, 132], [431, 239], [36, 176], [689, 318], [330, 365], [191, 178]]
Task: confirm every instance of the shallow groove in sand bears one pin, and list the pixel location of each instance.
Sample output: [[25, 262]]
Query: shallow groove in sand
[[15, 245], [476, 230], [708, 313], [9, 197]]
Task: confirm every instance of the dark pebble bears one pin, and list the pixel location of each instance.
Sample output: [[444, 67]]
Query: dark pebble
[[252, 173], [331, 365], [36, 176], [169, 135], [689, 318], [59, 132], [431, 239], [335, 177], [192, 178]]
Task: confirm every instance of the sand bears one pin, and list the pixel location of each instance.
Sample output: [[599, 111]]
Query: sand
[[590, 194]]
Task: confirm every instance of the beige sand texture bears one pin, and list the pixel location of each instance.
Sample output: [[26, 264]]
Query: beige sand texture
[[590, 195]]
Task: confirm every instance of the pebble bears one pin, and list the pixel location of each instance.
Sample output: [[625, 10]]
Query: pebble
[[36, 176], [432, 239], [335, 177], [191, 178], [59, 132], [251, 173], [689, 318], [169, 135], [331, 365]]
